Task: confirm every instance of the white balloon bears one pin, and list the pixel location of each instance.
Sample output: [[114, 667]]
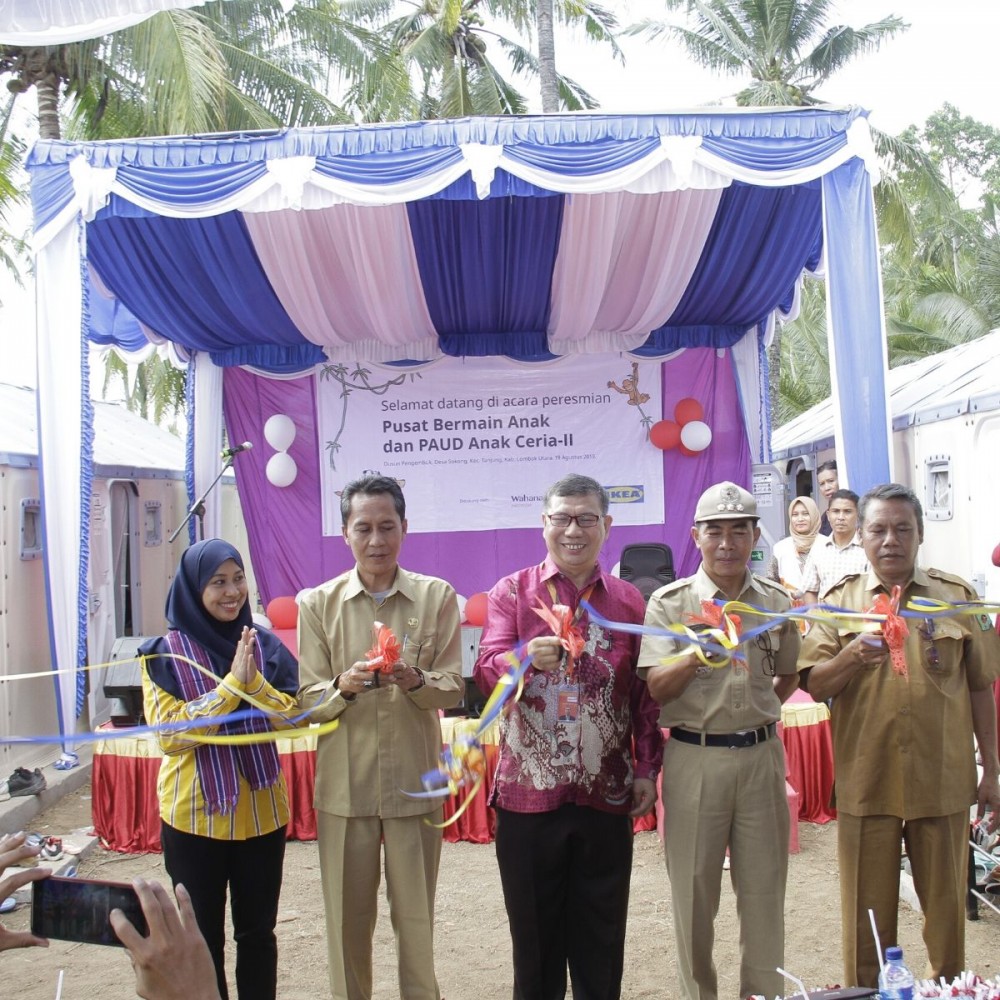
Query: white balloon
[[281, 469], [279, 432], [696, 435], [461, 607]]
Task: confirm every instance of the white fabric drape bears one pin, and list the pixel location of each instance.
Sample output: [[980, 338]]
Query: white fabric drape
[[750, 378], [207, 429], [343, 281], [627, 260], [63, 441]]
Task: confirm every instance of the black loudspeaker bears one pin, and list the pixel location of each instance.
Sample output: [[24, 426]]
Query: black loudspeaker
[[123, 681], [647, 566]]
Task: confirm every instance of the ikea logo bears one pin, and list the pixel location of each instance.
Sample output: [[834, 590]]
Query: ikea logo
[[626, 494]]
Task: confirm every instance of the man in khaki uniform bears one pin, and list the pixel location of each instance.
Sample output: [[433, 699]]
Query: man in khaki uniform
[[902, 746], [389, 735], [723, 766]]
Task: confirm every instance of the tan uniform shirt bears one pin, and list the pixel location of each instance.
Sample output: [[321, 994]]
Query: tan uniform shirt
[[387, 737], [904, 747], [728, 699]]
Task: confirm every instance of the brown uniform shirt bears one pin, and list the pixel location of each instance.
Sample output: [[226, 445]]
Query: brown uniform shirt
[[387, 737], [727, 699], [904, 747]]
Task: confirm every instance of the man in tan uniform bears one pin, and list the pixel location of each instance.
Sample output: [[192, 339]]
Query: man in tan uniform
[[723, 766], [902, 745], [389, 735]]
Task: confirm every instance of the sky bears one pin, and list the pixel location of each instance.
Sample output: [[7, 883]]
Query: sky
[[946, 55]]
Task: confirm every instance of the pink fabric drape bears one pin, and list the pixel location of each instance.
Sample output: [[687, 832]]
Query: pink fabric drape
[[347, 276], [624, 262]]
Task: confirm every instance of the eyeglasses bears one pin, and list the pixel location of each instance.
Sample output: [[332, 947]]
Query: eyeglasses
[[582, 520], [763, 643]]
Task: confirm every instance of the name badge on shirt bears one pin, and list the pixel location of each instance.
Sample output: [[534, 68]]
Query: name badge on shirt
[[569, 702]]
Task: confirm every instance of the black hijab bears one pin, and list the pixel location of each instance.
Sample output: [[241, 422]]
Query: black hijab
[[186, 613]]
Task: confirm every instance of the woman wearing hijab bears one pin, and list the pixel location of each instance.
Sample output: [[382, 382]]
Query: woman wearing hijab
[[223, 808], [788, 558]]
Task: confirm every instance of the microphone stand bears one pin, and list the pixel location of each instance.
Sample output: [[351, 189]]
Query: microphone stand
[[198, 507]]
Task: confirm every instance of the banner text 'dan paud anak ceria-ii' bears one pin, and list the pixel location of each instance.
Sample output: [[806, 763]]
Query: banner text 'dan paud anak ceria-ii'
[[476, 443]]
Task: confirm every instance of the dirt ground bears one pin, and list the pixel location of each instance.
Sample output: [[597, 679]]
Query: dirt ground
[[472, 947]]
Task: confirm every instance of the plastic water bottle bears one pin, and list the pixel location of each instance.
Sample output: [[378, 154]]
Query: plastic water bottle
[[895, 981]]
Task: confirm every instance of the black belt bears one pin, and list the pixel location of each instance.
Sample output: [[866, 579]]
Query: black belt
[[733, 741]]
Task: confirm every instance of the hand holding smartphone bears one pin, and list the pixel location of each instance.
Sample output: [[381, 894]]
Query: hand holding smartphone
[[79, 909]]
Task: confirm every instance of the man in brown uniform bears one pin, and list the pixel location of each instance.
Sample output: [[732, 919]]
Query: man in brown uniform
[[723, 766], [389, 735], [902, 745]]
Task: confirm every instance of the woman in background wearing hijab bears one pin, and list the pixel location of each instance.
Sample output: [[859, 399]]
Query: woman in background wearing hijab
[[223, 808], [788, 558]]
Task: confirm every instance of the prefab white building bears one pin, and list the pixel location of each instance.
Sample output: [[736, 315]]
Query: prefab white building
[[138, 498], [946, 447]]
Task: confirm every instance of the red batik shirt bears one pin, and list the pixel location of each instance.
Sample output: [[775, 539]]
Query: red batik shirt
[[569, 739]]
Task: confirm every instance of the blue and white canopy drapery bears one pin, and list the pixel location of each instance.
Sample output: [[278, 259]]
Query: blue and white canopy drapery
[[526, 237]]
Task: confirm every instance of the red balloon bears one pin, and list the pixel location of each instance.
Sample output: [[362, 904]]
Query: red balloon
[[282, 612], [687, 410], [475, 609], [665, 434], [687, 451]]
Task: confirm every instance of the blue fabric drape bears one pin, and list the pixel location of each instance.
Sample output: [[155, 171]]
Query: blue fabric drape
[[583, 158], [758, 245], [788, 153], [199, 283], [486, 269], [185, 172], [857, 361], [111, 324], [187, 186]]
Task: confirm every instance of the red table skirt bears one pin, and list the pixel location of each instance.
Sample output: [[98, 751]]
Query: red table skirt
[[127, 818], [805, 732], [126, 813]]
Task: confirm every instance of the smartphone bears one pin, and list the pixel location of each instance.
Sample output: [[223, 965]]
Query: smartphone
[[79, 909]]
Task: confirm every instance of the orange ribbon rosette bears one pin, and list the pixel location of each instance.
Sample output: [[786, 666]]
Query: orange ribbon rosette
[[894, 628], [386, 650], [560, 619], [723, 628]]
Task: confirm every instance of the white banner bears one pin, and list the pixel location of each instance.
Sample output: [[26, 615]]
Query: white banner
[[475, 443]]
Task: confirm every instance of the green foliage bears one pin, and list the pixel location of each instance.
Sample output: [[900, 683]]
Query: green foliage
[[785, 47], [156, 390]]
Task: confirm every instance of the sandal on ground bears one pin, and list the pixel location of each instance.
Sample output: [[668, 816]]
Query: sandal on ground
[[67, 762], [52, 849]]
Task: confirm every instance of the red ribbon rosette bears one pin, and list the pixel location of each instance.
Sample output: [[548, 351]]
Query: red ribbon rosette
[[894, 628], [559, 618], [386, 650], [724, 629], [711, 615]]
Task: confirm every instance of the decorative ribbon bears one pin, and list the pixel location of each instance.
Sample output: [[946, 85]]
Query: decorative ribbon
[[710, 648], [562, 620], [386, 650], [894, 628], [463, 763], [715, 622]]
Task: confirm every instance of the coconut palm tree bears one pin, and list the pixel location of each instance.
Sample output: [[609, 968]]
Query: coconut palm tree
[[453, 47], [237, 65], [787, 47]]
